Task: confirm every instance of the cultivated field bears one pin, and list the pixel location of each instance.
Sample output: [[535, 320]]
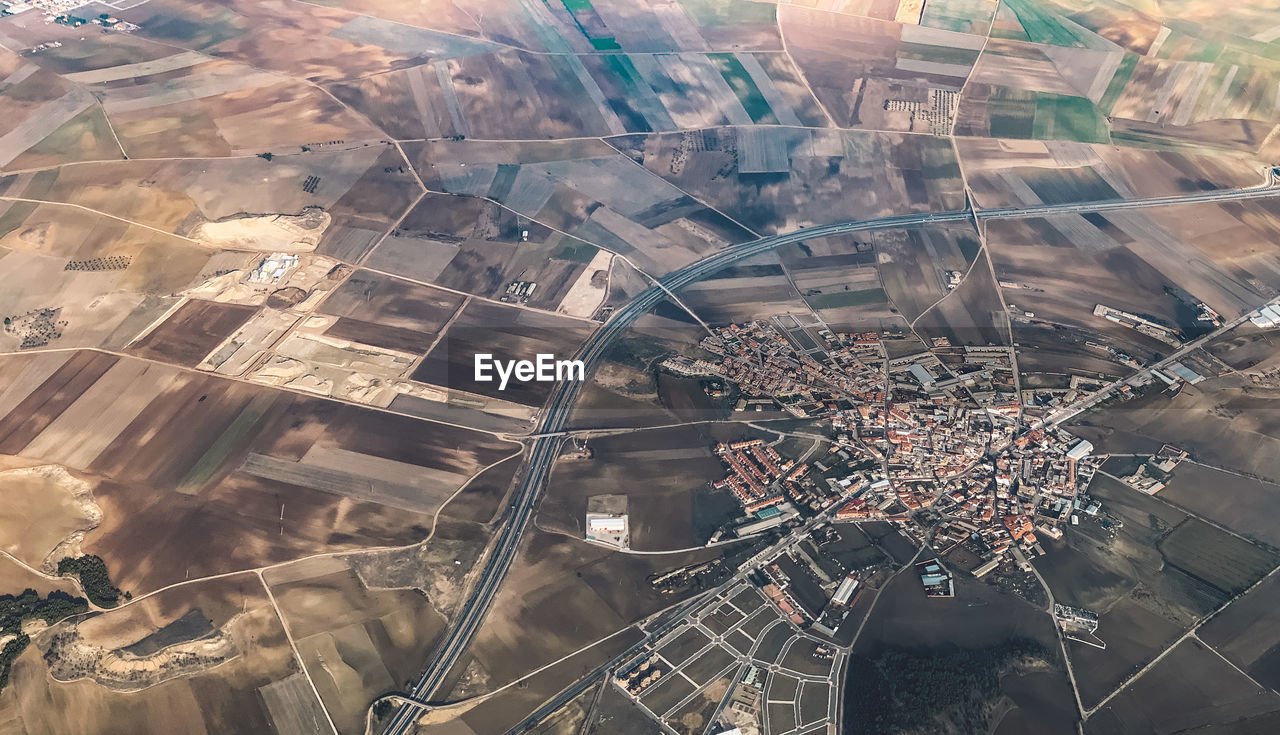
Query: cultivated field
[[914, 264], [1206, 553], [626, 388], [160, 408], [1246, 633], [664, 473], [757, 288], [1235, 426], [517, 95], [880, 75], [972, 314], [192, 332], [357, 643], [1242, 504], [558, 578], [507, 333], [298, 474], [586, 188], [1191, 688], [775, 180], [1148, 584], [474, 245]]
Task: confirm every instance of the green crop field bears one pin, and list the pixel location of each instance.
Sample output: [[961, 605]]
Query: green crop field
[[848, 298], [1059, 186], [1042, 26], [712, 13], [964, 16], [578, 8], [1118, 82], [1058, 117], [578, 253], [744, 87], [937, 54], [228, 441], [1012, 113]]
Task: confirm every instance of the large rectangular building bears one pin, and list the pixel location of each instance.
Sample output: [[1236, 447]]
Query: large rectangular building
[[845, 591], [1080, 450]]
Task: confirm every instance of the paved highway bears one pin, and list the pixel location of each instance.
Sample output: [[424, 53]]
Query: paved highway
[[543, 450]]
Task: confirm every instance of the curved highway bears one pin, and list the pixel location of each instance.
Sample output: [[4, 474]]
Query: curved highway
[[555, 416]]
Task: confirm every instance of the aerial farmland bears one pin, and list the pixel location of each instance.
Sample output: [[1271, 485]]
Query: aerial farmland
[[915, 367]]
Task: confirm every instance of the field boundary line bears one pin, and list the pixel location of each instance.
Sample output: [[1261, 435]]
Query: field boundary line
[[965, 277], [456, 292], [1190, 513], [777, 19], [108, 215], [1229, 471], [435, 518], [535, 220], [505, 436], [110, 126], [681, 189], [1232, 665], [280, 564], [986, 40], [284, 624], [1190, 633]]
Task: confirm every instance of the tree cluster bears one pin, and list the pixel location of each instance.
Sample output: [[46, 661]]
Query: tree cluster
[[903, 690], [92, 572], [16, 609], [9, 654]]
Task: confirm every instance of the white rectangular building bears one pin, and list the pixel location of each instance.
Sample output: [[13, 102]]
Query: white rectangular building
[[1080, 450]]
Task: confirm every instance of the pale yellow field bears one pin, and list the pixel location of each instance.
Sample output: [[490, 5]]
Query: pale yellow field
[[44, 506]]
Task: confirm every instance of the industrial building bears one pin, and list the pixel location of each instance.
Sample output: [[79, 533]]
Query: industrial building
[[273, 268], [608, 529], [771, 517], [844, 592], [1081, 450], [937, 581], [607, 521], [1266, 317]]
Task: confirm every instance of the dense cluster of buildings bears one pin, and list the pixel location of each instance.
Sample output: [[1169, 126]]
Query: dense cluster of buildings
[[804, 377], [934, 440], [767, 484]]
